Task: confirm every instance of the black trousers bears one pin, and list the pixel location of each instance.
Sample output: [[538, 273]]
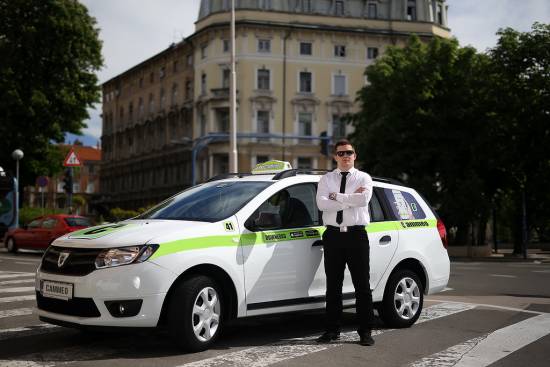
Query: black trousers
[[351, 248]]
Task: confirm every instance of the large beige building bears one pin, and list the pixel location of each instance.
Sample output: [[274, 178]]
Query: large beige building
[[300, 64]]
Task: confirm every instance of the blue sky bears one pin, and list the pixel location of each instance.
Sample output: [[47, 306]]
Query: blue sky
[[133, 30]]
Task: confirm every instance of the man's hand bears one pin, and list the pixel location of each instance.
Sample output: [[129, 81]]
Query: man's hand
[[360, 190], [332, 196]]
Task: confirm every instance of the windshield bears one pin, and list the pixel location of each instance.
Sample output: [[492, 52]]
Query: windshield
[[78, 222], [209, 202]]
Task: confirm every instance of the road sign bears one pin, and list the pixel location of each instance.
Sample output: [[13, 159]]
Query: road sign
[[42, 181], [72, 160]]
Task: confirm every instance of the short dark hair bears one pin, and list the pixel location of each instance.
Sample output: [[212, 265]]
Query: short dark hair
[[341, 142]]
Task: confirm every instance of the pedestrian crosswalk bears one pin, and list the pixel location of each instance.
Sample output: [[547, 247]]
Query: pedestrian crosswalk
[[480, 348]]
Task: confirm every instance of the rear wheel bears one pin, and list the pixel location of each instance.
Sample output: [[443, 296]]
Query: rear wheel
[[10, 245], [403, 299], [195, 315]]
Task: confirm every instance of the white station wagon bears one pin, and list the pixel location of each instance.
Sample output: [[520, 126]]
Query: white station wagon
[[239, 245]]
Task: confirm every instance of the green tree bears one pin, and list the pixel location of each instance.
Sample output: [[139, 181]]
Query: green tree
[[50, 53], [520, 98], [423, 120]]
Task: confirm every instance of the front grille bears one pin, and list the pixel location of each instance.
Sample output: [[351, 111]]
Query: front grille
[[80, 261], [83, 307]]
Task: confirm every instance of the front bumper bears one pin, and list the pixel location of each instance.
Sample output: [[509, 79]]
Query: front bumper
[[145, 281]]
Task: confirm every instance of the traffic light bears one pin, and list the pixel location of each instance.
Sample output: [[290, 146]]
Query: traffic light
[[324, 143], [68, 181]]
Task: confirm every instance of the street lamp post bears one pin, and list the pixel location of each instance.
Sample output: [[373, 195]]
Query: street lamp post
[[17, 154], [233, 160]]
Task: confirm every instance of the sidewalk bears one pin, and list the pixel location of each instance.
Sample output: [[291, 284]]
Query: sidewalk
[[505, 255]]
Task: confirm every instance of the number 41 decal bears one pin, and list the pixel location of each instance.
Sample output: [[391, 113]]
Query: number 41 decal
[[229, 227]]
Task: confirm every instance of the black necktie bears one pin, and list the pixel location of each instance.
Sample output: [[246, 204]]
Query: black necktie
[[340, 214]]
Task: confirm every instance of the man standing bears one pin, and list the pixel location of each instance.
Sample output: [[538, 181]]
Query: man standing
[[343, 196]]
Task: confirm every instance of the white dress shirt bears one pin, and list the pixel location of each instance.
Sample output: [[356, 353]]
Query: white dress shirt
[[354, 205]]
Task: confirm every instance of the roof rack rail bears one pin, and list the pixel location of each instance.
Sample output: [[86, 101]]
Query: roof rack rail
[[388, 180], [223, 176], [295, 171]]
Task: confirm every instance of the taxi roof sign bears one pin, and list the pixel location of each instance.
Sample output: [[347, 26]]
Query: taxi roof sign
[[271, 167], [72, 160]]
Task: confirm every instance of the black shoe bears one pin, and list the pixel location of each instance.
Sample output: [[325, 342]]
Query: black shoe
[[328, 336], [366, 339]]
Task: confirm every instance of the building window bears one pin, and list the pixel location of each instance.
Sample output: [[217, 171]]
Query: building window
[[305, 48], [121, 114], [411, 10], [151, 103], [140, 106], [339, 8], [152, 78], [203, 84], [305, 163], [225, 46], [203, 123], [203, 51], [306, 6], [141, 82], [190, 60], [340, 51], [338, 127], [304, 123], [372, 53], [222, 115], [372, 10], [339, 85], [175, 66], [305, 82], [265, 4], [262, 120], [162, 72], [263, 79], [264, 46], [440, 14], [188, 89], [225, 78], [262, 158], [174, 94], [162, 98], [131, 111]]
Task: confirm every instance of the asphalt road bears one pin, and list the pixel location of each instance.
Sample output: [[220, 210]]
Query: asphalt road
[[493, 314]]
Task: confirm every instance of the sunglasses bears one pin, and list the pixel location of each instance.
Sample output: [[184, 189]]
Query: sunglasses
[[342, 153]]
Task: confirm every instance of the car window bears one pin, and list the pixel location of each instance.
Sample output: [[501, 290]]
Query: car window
[[404, 205], [209, 202], [375, 209], [35, 223], [78, 222], [295, 204], [49, 223]]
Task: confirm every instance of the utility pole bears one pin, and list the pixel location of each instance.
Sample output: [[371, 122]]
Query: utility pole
[[233, 158]]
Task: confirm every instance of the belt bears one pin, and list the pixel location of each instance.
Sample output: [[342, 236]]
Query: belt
[[347, 228]]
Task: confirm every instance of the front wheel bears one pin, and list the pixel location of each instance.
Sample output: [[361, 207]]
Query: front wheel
[[10, 245], [195, 313], [403, 299]]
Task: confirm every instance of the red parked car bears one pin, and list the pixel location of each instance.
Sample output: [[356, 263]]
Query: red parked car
[[40, 232]]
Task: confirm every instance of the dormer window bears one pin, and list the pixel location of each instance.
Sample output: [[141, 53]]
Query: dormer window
[[339, 8], [411, 10]]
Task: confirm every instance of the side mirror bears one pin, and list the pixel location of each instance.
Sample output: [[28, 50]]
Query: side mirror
[[264, 221]]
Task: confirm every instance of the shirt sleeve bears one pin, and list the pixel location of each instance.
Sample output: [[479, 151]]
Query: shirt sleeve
[[359, 199], [323, 202]]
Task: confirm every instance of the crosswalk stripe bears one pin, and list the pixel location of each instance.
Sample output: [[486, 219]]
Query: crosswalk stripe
[[17, 299], [25, 263], [17, 290], [21, 332], [507, 340], [288, 349], [15, 312], [20, 275], [19, 281], [450, 356]]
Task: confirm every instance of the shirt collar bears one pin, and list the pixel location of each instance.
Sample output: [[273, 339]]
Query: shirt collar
[[351, 171]]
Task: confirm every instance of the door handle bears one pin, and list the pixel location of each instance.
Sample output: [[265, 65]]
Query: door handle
[[317, 243], [385, 240]]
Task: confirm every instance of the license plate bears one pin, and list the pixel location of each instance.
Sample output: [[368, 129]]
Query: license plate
[[56, 289]]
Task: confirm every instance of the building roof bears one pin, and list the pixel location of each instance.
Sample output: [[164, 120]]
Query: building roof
[[84, 153]]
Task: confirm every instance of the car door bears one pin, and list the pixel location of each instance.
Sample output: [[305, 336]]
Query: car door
[[281, 267], [46, 232], [26, 237]]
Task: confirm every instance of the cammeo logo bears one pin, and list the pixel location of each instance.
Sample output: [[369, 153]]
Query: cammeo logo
[[312, 233], [275, 237], [415, 224], [296, 234]]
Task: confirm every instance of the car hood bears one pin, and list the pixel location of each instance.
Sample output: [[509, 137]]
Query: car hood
[[129, 233]]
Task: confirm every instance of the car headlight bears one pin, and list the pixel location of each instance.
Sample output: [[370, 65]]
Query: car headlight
[[124, 255]]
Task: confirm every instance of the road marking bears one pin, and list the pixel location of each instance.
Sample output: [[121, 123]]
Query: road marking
[[292, 348], [505, 341], [20, 275], [17, 290], [503, 275], [25, 263], [8, 282], [21, 332], [447, 289], [15, 312], [541, 271], [18, 258], [488, 306], [17, 299], [450, 356]]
